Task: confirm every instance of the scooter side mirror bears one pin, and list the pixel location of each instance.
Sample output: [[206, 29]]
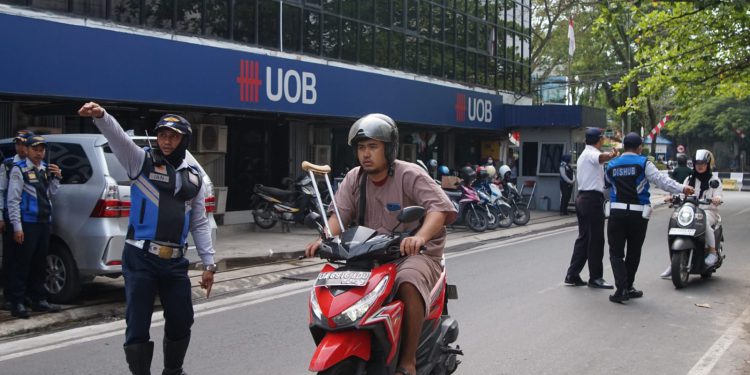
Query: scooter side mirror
[[411, 213], [313, 221], [713, 184]]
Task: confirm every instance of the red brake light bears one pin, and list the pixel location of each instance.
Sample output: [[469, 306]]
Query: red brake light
[[111, 208], [114, 263], [210, 204]]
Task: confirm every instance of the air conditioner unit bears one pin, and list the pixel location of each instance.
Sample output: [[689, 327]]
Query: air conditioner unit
[[211, 138], [321, 154], [408, 153]]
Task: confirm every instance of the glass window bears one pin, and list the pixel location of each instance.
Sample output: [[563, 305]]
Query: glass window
[[217, 18], [158, 13], [330, 36], [397, 51], [460, 68], [410, 54], [60, 6], [398, 13], [268, 23], [125, 11], [450, 29], [315, 3], [437, 22], [292, 26], [382, 12], [424, 56], [460, 30], [491, 72], [449, 71], [189, 13], [436, 59], [349, 8], [72, 160], [381, 47], [244, 21], [14, 2], [424, 19], [481, 70], [349, 40], [366, 41], [89, 8], [471, 38], [312, 32], [471, 67], [331, 6], [366, 10], [411, 15]]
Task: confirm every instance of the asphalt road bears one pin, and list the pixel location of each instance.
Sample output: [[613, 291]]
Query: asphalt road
[[515, 315]]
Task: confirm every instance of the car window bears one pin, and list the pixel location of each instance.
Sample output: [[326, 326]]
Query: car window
[[70, 157]]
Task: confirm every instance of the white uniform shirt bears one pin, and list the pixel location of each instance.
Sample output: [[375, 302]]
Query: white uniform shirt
[[590, 173]]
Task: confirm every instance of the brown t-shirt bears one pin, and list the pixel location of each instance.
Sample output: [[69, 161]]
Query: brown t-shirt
[[410, 185]]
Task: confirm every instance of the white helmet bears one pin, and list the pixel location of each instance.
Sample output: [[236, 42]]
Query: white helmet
[[504, 169]]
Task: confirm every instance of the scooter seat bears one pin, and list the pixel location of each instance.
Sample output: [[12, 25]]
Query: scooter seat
[[281, 194], [454, 195]]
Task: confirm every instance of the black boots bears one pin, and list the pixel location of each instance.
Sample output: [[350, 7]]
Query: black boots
[[174, 355], [139, 357]]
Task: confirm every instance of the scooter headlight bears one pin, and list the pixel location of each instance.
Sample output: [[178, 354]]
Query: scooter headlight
[[685, 216], [358, 310], [315, 305]]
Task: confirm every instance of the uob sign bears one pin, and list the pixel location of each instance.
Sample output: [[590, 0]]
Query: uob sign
[[288, 85], [476, 109]]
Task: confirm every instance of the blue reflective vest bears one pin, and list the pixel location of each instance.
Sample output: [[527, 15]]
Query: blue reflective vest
[[35, 201], [157, 213], [627, 174]]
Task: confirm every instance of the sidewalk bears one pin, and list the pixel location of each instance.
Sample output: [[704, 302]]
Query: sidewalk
[[249, 259]]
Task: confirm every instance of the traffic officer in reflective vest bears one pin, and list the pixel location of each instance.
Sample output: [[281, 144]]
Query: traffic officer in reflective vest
[[5, 227], [30, 190], [167, 200], [629, 211]]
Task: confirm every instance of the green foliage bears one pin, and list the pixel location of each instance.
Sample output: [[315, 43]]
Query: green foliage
[[714, 118], [692, 51]]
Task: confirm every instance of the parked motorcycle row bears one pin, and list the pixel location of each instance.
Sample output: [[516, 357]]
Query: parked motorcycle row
[[484, 202]]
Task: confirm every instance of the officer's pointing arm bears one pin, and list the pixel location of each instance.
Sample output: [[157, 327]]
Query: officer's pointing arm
[[126, 151], [662, 180]]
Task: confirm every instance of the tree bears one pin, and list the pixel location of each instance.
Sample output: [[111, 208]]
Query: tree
[[692, 50]]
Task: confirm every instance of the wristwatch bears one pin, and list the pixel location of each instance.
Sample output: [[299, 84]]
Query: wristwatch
[[210, 267]]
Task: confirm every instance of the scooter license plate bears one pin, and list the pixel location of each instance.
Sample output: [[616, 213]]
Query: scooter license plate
[[342, 278], [681, 231]]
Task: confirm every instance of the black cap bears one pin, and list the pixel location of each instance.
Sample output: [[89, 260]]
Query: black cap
[[593, 134], [632, 140], [36, 140]]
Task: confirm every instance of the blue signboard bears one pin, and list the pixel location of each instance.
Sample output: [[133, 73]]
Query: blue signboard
[[46, 58]]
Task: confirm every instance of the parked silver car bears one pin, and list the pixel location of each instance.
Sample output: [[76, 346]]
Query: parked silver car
[[90, 211]]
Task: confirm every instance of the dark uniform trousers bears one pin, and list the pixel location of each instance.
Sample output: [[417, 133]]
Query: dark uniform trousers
[[625, 226], [9, 245], [566, 190], [146, 275], [589, 245], [29, 263]]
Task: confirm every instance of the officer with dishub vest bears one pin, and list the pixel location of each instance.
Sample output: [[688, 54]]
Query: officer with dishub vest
[[167, 201], [32, 183], [7, 230], [629, 211]]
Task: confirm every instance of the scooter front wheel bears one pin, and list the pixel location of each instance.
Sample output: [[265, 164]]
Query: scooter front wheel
[[475, 220], [349, 366], [521, 215], [680, 269]]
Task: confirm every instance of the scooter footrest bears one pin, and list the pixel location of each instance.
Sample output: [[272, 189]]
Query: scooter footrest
[[451, 292]]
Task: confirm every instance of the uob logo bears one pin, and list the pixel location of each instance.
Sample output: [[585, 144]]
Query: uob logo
[[477, 109], [290, 85]]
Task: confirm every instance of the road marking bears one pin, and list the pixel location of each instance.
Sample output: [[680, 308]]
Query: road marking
[[58, 340], [717, 350], [742, 212]]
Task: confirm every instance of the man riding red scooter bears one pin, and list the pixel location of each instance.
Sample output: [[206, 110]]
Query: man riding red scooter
[[374, 196]]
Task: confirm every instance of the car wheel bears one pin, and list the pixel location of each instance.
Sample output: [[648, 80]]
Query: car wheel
[[62, 281]]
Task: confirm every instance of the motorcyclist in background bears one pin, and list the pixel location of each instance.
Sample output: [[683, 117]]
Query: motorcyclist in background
[[700, 178], [682, 171]]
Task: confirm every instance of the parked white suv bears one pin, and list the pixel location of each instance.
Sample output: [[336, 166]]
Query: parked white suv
[[90, 211]]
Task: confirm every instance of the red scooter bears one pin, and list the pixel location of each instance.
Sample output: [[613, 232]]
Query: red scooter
[[355, 319]]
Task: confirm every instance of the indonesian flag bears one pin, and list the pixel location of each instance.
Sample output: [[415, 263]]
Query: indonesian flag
[[571, 38]]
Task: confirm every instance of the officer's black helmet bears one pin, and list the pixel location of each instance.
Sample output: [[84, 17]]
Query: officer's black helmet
[[174, 123]]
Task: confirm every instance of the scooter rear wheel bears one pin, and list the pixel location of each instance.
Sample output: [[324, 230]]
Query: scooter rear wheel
[[680, 269], [349, 366], [263, 217], [522, 215]]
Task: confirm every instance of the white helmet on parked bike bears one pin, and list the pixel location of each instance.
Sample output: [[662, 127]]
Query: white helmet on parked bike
[[504, 169]]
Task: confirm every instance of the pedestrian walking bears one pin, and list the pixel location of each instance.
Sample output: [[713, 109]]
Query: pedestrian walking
[[32, 183], [589, 246], [167, 201], [629, 210], [9, 245], [567, 180]]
